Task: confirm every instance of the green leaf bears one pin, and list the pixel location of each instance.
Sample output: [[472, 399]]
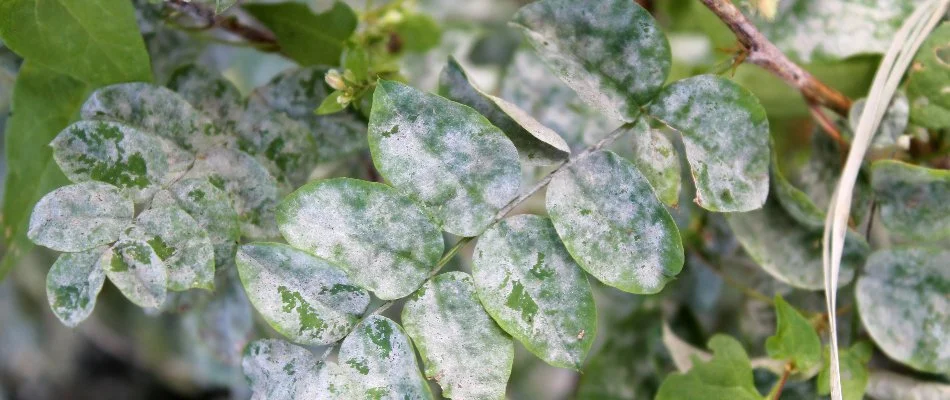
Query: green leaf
[[303, 297], [418, 32], [727, 376], [853, 364], [331, 104], [137, 271], [380, 238], [443, 154], [795, 340], [927, 79], [277, 370], [181, 244], [612, 223], [913, 199], [73, 283], [726, 135], [378, 362], [93, 41], [211, 207], [80, 216], [210, 93], [796, 203], [789, 251], [219, 5], [305, 37], [461, 347], [891, 127], [119, 155], [610, 52], [655, 157], [356, 60], [536, 143], [529, 284], [902, 300]]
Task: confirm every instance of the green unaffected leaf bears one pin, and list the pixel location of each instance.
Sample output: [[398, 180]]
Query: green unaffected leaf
[[307, 38], [853, 364], [418, 32], [331, 104], [73, 283], [80, 216], [795, 340], [727, 376], [926, 81], [378, 362], [913, 199]]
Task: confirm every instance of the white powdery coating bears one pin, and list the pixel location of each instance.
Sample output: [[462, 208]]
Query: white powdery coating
[[109, 146], [445, 155], [461, 347], [614, 226], [655, 156], [285, 145], [529, 284], [80, 216], [211, 208], [304, 298], [378, 362], [614, 76], [726, 136], [380, 238], [253, 190], [902, 298], [134, 268], [73, 283], [913, 199], [209, 92], [226, 321], [278, 370], [191, 262]]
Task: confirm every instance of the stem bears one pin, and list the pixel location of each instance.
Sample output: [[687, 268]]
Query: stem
[[763, 53], [264, 39], [777, 390]]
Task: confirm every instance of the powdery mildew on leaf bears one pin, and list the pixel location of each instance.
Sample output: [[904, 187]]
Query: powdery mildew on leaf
[[913, 200], [80, 216], [655, 156], [181, 244], [378, 362], [536, 143], [303, 297], [380, 238], [902, 299], [119, 155], [210, 93], [795, 202], [443, 154], [927, 81], [612, 223], [818, 178], [211, 207], [788, 250], [610, 52], [277, 370], [226, 321], [726, 136], [534, 290], [461, 347], [73, 283], [285, 145], [137, 271]]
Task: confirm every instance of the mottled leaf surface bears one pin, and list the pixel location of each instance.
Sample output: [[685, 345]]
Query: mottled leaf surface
[[73, 283], [284, 145], [655, 157], [379, 237], [902, 300], [927, 81], [727, 376], [181, 244], [913, 200], [530, 285], [209, 92], [795, 340], [277, 370], [80, 216], [211, 207], [818, 178], [726, 135], [303, 297], [137, 271], [445, 155], [610, 52], [461, 347], [378, 362], [612, 223]]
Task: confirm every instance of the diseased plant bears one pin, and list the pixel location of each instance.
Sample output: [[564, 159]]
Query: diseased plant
[[340, 189]]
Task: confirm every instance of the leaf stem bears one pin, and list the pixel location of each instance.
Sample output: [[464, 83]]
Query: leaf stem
[[264, 39], [777, 390]]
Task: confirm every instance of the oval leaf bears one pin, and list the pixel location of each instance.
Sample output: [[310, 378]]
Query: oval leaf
[[181, 244], [210, 206], [913, 199], [655, 156], [209, 92], [277, 370], [137, 271], [73, 283], [80, 216]]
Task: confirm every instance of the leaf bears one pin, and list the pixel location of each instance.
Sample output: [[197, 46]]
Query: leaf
[[461, 347], [913, 199], [536, 143], [655, 157], [73, 283], [219, 5], [418, 32], [211, 208], [795, 340], [789, 251], [795, 202], [378, 363], [380, 238], [80, 216], [210, 93], [444, 155], [283, 145], [331, 104], [892, 126], [93, 41], [226, 321], [529, 284], [137, 271], [305, 37], [818, 178], [853, 363], [181, 244], [305, 298], [927, 79], [611, 222], [119, 155], [726, 135], [902, 300], [727, 376], [277, 370], [889, 385], [611, 52]]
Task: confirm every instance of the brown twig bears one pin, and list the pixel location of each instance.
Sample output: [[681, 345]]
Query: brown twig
[[763, 53], [230, 23], [828, 126], [777, 391]]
